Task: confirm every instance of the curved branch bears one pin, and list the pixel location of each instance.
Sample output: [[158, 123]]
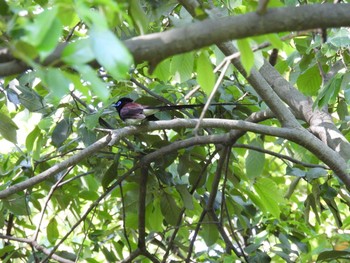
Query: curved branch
[[56, 168], [37, 246], [298, 135], [158, 46], [321, 123]]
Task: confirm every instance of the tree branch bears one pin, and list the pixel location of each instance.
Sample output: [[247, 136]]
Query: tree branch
[[142, 208], [158, 46], [298, 135], [37, 246], [321, 123]]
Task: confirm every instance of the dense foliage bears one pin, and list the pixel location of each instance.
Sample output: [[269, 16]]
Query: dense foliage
[[258, 182]]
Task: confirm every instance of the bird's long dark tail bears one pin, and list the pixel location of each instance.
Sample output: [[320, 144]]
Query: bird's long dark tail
[[191, 106]]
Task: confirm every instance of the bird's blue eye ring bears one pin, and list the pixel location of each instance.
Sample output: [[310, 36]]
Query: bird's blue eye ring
[[118, 103]]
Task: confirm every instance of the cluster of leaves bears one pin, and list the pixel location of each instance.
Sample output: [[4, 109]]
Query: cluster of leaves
[[204, 202]]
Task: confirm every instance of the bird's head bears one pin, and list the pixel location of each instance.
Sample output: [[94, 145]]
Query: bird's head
[[121, 103]]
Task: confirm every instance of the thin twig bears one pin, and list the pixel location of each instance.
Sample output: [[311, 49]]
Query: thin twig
[[142, 207], [179, 220], [211, 96], [150, 92], [92, 206], [281, 156], [34, 244], [48, 197], [124, 217]]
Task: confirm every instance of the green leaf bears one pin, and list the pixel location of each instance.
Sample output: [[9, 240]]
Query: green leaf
[[205, 73], [52, 232], [185, 196], [37, 148], [45, 31], [109, 255], [88, 195], [61, 132], [110, 52], [57, 83], [138, 16], [51, 39], [255, 161], [333, 255], [169, 208], [269, 195], [110, 174], [247, 55], [154, 216], [329, 93], [4, 8], [31, 137], [341, 38], [30, 99], [342, 109], [6, 252], [197, 178], [209, 231], [17, 205], [8, 129], [315, 173], [78, 52], [275, 41], [309, 82], [181, 67], [162, 70], [97, 85]]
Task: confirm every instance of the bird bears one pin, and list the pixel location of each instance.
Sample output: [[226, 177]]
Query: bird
[[134, 113]]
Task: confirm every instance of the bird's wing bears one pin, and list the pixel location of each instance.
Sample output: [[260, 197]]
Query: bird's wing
[[132, 111]]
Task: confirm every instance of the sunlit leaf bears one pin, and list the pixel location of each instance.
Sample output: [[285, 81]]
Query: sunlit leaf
[[139, 17], [45, 31], [32, 136], [8, 129], [310, 81], [52, 231], [97, 85], [110, 52], [269, 195], [275, 41], [57, 83], [329, 93], [247, 55], [205, 73], [78, 52], [162, 70], [255, 161], [181, 67], [154, 215]]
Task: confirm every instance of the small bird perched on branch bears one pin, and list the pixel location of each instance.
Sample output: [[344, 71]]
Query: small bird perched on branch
[[134, 113]]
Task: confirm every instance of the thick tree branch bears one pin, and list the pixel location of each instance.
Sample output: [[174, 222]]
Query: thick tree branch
[[260, 84], [298, 135], [158, 46], [56, 168], [320, 122], [155, 47]]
